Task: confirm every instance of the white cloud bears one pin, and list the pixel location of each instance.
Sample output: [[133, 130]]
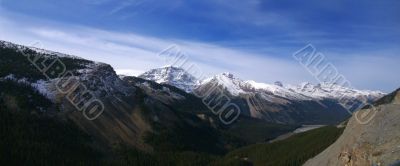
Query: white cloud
[[132, 54]]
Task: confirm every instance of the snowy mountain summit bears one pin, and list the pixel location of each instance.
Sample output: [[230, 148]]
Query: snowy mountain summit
[[335, 91], [235, 86], [303, 91], [173, 76]]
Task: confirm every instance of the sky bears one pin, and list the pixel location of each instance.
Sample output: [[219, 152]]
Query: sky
[[253, 39]]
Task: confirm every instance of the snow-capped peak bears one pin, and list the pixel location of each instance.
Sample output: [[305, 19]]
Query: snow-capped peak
[[332, 90], [227, 80], [278, 83], [277, 89], [171, 75], [305, 91], [227, 74], [236, 86]]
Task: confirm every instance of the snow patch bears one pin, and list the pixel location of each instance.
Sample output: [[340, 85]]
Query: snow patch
[[43, 87]]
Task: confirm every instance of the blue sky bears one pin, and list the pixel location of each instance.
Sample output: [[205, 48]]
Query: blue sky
[[254, 39]]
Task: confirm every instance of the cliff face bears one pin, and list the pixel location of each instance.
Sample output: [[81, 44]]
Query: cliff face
[[374, 143]]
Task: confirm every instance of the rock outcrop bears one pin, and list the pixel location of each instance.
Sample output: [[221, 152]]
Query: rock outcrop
[[372, 137]]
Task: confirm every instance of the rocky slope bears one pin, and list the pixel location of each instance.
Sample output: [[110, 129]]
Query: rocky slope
[[371, 137], [111, 110]]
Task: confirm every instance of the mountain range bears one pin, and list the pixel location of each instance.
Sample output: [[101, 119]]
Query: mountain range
[[276, 102], [179, 78], [166, 111], [136, 112]]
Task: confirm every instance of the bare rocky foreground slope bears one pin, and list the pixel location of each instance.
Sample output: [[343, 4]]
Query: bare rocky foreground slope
[[374, 143]]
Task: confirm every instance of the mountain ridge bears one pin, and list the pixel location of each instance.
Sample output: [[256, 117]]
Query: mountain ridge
[[137, 113], [235, 86], [279, 103], [270, 102]]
